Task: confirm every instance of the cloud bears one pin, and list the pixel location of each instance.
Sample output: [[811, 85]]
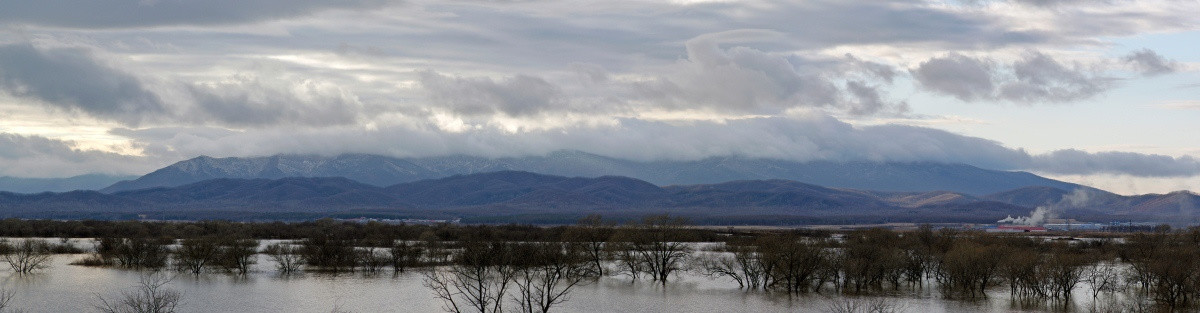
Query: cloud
[[1034, 78], [345, 77], [746, 80], [72, 79], [966, 78], [1040, 78], [881, 71], [720, 81], [806, 137], [520, 95], [256, 101], [77, 81], [148, 13], [1181, 105], [1150, 63], [37, 156], [1072, 161]]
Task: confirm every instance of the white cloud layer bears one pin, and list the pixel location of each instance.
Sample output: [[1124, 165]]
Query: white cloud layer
[[633, 79]]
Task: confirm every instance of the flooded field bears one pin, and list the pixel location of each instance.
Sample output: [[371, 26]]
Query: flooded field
[[72, 288]]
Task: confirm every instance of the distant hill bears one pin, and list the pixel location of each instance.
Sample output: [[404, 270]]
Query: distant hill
[[506, 196], [386, 171], [1182, 204], [526, 197], [1179, 206], [293, 193], [81, 182]]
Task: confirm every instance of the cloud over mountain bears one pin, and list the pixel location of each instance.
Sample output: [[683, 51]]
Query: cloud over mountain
[[164, 80], [37, 156]]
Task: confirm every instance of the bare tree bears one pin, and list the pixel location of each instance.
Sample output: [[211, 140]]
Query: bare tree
[[858, 305], [6, 296], [478, 279], [654, 246], [331, 252], [136, 252], [195, 254], [1064, 270], [719, 264], [27, 256], [403, 254], [237, 254], [630, 263], [590, 234], [968, 268], [546, 273], [1101, 277], [372, 258], [792, 263], [286, 257], [150, 296], [743, 263]]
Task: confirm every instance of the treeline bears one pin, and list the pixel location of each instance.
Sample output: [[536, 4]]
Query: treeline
[[279, 230]]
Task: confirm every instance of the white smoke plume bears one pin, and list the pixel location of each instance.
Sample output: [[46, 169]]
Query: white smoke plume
[[1035, 218], [1076, 199]]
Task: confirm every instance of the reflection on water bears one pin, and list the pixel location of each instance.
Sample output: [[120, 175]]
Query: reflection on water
[[69, 288]]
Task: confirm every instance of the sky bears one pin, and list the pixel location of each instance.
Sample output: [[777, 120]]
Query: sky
[[1099, 92]]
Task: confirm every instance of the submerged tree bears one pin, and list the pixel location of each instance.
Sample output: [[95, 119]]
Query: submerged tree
[[655, 247], [546, 273], [6, 296], [135, 252], [477, 281], [149, 296], [286, 257], [236, 254], [589, 235], [332, 252], [968, 268], [195, 254], [403, 255], [26, 256]]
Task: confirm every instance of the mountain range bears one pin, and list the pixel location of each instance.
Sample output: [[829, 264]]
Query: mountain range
[[81, 182], [386, 171], [564, 185], [516, 196]]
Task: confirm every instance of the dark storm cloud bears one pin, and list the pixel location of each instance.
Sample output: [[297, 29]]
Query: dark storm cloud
[[75, 80], [1035, 78], [1150, 63], [72, 79], [144, 13]]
